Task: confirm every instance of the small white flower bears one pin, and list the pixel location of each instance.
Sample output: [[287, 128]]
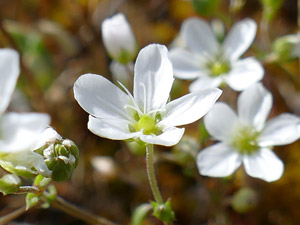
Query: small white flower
[[247, 137], [212, 63], [147, 115], [18, 131], [119, 39]]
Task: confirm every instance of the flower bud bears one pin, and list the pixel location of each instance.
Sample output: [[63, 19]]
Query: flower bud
[[163, 211], [287, 47], [9, 184], [60, 155], [244, 200], [119, 39]]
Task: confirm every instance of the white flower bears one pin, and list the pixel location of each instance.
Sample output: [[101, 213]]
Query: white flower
[[147, 115], [247, 137], [119, 39], [18, 131], [212, 63]]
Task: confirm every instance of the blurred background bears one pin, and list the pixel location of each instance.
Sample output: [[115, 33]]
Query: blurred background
[[59, 40]]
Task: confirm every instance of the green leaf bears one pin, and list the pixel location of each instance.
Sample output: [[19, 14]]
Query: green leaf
[[9, 184], [140, 214], [270, 8], [205, 7]]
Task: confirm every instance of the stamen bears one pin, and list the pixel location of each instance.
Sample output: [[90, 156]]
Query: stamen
[[135, 107]]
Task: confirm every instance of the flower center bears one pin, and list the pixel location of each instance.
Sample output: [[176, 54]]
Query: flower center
[[245, 140], [217, 68]]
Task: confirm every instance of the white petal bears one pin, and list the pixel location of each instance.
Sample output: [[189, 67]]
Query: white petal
[[205, 82], [9, 73], [189, 108], [114, 129], [20, 131], [280, 130], [254, 105], [25, 161], [264, 165], [199, 37], [153, 77], [220, 122], [244, 73], [169, 137], [186, 65], [117, 36], [122, 73], [100, 98], [239, 38], [218, 160], [47, 137]]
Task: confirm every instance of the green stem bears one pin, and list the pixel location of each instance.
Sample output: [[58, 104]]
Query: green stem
[[151, 174], [13, 215]]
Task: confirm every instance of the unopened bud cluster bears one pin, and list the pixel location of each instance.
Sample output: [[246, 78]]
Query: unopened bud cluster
[[60, 155]]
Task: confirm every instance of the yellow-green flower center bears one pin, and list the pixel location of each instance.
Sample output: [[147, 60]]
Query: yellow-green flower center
[[246, 140], [217, 68], [147, 124]]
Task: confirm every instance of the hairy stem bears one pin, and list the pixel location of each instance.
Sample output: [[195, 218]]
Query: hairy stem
[[151, 174]]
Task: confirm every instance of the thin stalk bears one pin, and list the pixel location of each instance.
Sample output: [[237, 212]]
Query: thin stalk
[[13, 215], [151, 174], [73, 210]]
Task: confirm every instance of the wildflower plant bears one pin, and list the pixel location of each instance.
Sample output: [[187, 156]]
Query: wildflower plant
[[212, 63], [134, 105], [146, 116]]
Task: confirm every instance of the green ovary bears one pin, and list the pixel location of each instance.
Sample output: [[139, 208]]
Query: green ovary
[[218, 68], [245, 141], [147, 124]]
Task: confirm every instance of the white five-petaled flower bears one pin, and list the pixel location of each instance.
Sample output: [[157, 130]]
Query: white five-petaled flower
[[18, 131], [119, 39], [147, 115], [246, 138], [203, 58]]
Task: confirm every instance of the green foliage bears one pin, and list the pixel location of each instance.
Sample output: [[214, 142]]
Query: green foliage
[[205, 7], [140, 214], [32, 199], [163, 211], [9, 184], [270, 8]]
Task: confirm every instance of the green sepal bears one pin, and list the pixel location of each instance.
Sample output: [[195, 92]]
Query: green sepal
[[140, 213], [9, 184], [32, 199], [41, 181], [163, 211]]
